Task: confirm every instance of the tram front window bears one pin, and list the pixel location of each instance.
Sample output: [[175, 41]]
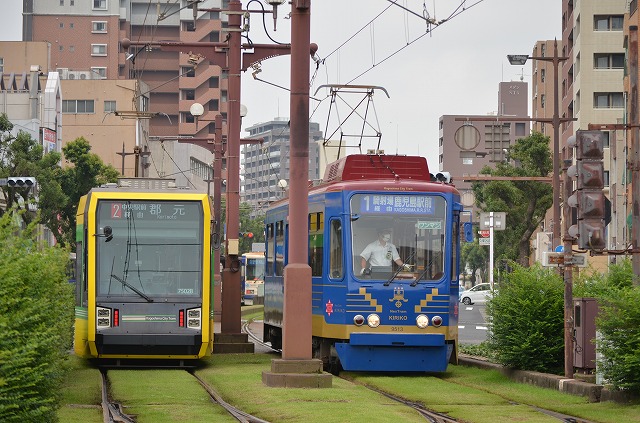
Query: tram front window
[[393, 229], [150, 254]]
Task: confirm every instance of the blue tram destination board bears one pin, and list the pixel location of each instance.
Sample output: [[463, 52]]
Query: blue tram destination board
[[396, 203]]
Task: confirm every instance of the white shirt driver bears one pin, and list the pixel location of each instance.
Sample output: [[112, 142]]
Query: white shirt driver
[[380, 255]]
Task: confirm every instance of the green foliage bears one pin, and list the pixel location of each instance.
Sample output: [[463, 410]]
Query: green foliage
[[59, 189], [36, 320], [525, 202], [474, 257], [527, 314], [618, 323]]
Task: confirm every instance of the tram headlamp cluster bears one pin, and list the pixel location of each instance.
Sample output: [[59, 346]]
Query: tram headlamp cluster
[[194, 318], [373, 320], [358, 320], [103, 317], [436, 321], [422, 321]]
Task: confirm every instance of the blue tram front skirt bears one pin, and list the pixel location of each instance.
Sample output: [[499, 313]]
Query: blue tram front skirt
[[394, 352]]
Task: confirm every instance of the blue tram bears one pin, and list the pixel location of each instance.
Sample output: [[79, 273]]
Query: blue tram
[[143, 289], [397, 311]]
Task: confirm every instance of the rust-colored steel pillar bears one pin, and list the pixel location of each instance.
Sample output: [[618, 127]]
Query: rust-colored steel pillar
[[296, 342], [217, 213], [231, 273], [568, 271]]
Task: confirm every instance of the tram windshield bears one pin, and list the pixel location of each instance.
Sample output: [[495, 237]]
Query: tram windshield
[[254, 268], [389, 230], [149, 248]]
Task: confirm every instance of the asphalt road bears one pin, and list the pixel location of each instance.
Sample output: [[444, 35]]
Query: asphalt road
[[472, 324]]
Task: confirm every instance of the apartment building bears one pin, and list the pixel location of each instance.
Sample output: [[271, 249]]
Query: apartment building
[[467, 143], [85, 39], [592, 91], [266, 165]]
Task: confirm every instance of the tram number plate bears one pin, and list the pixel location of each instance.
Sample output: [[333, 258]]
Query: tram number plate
[[397, 329], [429, 225]]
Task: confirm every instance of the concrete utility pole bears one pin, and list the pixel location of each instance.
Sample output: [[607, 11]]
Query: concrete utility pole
[[635, 150]]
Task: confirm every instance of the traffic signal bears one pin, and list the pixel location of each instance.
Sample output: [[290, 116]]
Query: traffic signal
[[246, 234], [21, 181], [589, 196]]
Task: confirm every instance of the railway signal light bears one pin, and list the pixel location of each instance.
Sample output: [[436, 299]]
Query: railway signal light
[[246, 234], [589, 196], [21, 181]]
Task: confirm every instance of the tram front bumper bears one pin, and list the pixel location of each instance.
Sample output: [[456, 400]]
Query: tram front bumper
[[394, 352]]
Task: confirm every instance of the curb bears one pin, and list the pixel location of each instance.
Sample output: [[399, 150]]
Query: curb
[[594, 393]]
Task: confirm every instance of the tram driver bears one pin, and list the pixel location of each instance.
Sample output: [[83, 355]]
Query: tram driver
[[381, 253]]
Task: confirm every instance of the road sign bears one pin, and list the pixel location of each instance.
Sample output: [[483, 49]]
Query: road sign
[[550, 259], [499, 221], [484, 241], [484, 233], [559, 249]]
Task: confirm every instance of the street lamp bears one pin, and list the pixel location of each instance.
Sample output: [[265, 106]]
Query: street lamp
[[567, 276], [520, 59]]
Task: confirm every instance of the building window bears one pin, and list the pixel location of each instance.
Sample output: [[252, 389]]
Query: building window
[[61, 48], [72, 49], [187, 117], [99, 73], [99, 26], [214, 105], [1, 64], [214, 82], [98, 49], [605, 176], [188, 94], [608, 100], [607, 138], [608, 61], [61, 24], [109, 106], [71, 25], [608, 22], [78, 106], [542, 100], [189, 72], [100, 4], [61, 2]]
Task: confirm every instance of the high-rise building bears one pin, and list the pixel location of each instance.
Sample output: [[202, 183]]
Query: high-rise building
[[469, 142], [266, 165]]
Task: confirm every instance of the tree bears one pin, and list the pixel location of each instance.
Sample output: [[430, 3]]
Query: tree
[[88, 171], [474, 257], [526, 202]]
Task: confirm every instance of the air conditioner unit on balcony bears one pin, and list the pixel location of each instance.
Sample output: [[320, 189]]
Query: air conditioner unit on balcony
[[79, 74], [64, 73]]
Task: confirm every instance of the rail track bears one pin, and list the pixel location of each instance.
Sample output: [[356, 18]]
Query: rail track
[[429, 415], [111, 411]]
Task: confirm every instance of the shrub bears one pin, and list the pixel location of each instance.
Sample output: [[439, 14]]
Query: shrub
[[36, 319], [618, 324], [527, 315]]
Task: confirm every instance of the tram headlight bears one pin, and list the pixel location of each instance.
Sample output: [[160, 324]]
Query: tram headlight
[[194, 318], [436, 321], [422, 321], [103, 317], [373, 320], [358, 320]]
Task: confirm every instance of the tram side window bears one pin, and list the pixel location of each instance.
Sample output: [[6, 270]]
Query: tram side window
[[336, 267], [280, 248], [270, 249], [316, 239], [455, 245]]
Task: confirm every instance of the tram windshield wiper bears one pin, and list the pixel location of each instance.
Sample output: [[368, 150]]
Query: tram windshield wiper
[[399, 270], [128, 285], [421, 275]]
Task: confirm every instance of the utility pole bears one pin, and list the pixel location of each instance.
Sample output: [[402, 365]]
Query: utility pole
[[123, 154], [635, 150]]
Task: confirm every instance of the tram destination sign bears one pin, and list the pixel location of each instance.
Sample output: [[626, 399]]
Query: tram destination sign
[[397, 203], [149, 210]]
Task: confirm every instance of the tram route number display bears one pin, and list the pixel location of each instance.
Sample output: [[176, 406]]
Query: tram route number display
[[150, 210], [397, 203]]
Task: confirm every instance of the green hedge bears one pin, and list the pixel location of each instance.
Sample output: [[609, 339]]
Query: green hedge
[[618, 323], [36, 321], [527, 316]]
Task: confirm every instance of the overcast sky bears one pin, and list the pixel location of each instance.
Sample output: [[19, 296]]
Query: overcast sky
[[453, 70]]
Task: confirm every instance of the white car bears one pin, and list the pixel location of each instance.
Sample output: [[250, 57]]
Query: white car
[[476, 295]]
